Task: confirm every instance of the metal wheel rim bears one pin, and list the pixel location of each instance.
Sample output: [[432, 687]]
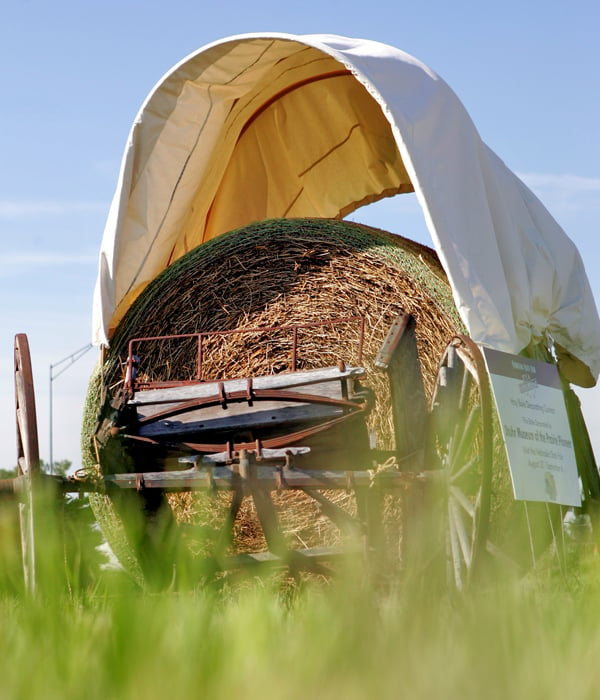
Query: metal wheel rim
[[28, 461]]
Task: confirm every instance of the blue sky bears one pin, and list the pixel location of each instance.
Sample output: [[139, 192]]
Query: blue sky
[[75, 73]]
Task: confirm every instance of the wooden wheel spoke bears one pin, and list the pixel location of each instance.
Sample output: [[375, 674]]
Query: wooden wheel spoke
[[454, 554], [468, 434], [459, 497], [464, 541], [467, 467], [24, 458], [462, 407], [465, 393]]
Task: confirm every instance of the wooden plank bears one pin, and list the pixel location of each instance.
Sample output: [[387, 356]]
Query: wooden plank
[[267, 516], [239, 417], [266, 455], [291, 381], [221, 478], [392, 339], [337, 515], [226, 535], [313, 554], [409, 409]]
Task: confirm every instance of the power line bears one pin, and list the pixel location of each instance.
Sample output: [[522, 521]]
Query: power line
[[64, 365]]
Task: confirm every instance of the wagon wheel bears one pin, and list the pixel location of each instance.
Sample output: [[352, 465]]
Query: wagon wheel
[[28, 461], [461, 444]]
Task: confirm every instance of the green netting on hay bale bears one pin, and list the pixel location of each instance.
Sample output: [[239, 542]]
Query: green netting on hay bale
[[280, 272]]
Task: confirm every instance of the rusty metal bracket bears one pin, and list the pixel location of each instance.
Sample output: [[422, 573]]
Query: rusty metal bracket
[[393, 337], [139, 482], [222, 395], [249, 391], [350, 485]]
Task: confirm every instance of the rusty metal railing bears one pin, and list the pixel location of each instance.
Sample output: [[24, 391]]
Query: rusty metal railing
[[133, 361]]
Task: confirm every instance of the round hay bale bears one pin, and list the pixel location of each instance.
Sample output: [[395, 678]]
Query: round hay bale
[[274, 273]]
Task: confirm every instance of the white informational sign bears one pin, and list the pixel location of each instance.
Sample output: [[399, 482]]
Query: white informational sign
[[535, 427]]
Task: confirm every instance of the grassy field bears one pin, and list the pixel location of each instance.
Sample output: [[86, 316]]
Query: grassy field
[[532, 637]]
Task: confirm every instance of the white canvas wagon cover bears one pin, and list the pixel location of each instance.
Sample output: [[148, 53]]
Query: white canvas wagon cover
[[260, 126]]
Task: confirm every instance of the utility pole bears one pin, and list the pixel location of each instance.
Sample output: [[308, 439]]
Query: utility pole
[[64, 365]]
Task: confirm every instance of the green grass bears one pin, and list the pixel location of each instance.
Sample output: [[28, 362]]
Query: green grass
[[105, 638]]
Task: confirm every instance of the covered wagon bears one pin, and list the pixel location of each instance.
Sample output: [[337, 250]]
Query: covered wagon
[[254, 342]]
